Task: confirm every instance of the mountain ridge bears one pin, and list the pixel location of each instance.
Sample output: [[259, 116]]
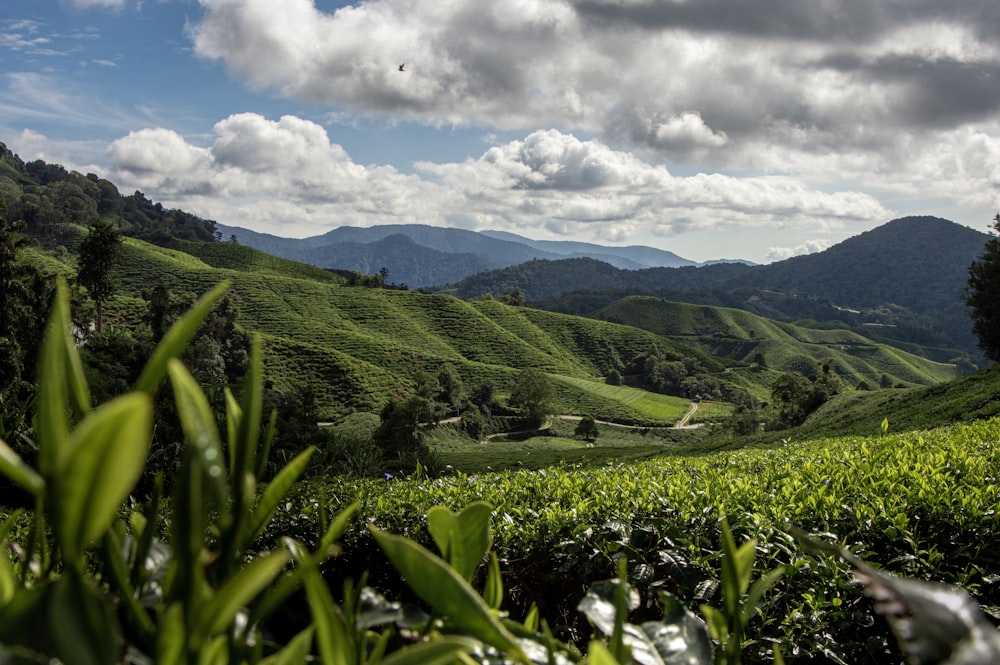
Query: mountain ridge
[[358, 248]]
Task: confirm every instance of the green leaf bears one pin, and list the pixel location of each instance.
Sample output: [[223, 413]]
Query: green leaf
[[493, 592], [216, 652], [177, 338], [439, 585], [170, 636], [464, 538], [82, 624], [109, 451], [265, 452], [198, 423], [716, 621], [219, 612], [251, 407], [338, 527], [598, 654], [333, 637], [60, 382], [441, 651], [276, 490], [295, 652], [133, 612], [19, 471], [756, 592]]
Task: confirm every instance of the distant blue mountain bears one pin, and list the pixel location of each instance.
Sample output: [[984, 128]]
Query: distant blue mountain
[[421, 256]]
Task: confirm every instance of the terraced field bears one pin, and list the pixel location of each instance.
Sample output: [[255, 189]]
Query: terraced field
[[356, 347], [747, 338]]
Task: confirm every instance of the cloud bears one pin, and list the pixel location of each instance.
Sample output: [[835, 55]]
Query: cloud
[[685, 81], [90, 4], [808, 247], [286, 176]]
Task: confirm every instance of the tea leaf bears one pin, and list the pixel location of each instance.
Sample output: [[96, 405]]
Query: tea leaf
[[439, 585], [239, 590], [60, 375], [108, 453], [199, 428], [493, 593], [463, 538], [333, 637], [16, 469], [295, 652], [441, 651], [81, 623], [276, 491]]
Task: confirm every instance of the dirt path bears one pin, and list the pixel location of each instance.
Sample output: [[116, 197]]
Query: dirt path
[[686, 418]]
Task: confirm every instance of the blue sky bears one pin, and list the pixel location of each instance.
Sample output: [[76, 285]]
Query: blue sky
[[759, 129]]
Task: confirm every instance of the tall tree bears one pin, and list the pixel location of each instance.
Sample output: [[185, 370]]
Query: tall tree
[[533, 395], [587, 428], [981, 295], [12, 241], [98, 254]]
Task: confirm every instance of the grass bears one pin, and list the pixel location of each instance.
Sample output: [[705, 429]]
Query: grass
[[653, 407], [558, 448]]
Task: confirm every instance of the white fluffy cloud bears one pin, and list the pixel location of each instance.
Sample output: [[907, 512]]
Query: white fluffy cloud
[[288, 178], [808, 247], [284, 176]]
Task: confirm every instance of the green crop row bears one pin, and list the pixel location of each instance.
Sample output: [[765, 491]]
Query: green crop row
[[919, 504]]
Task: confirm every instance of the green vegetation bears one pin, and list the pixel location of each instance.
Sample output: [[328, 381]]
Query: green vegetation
[[749, 339], [539, 441], [980, 295]]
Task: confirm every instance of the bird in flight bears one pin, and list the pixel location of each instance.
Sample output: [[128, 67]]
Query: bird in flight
[[401, 66]]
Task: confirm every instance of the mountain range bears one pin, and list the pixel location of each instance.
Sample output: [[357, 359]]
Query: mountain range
[[422, 256], [903, 280]]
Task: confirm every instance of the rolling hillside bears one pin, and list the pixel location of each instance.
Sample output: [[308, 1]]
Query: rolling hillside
[[903, 280], [358, 346], [750, 339]]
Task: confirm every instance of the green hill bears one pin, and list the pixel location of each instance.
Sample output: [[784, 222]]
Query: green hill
[[749, 339], [356, 347]]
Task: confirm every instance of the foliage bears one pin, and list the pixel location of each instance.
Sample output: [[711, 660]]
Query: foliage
[[917, 503], [587, 428], [399, 434], [532, 394], [173, 603], [981, 295], [97, 255], [24, 295]]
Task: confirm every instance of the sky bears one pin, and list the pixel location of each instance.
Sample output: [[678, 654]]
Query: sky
[[749, 129]]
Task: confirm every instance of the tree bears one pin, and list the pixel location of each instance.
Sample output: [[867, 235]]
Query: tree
[[981, 295], [12, 241], [533, 395], [399, 430], [452, 391], [514, 297], [587, 428], [98, 254]]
